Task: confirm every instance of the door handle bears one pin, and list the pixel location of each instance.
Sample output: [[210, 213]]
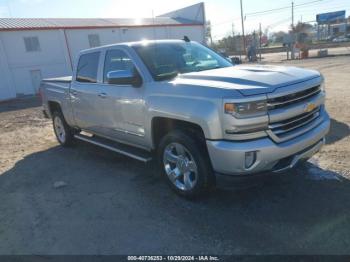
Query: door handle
[[102, 95], [74, 92]]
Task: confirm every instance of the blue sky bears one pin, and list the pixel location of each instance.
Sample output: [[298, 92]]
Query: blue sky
[[222, 13]]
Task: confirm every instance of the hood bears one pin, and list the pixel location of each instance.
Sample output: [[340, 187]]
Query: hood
[[249, 80]]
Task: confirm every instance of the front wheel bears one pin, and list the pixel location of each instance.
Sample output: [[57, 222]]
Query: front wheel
[[185, 164]]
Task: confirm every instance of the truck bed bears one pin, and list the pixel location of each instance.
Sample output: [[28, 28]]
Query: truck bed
[[57, 90], [64, 79]]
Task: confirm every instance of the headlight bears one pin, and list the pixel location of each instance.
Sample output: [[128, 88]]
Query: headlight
[[248, 109]]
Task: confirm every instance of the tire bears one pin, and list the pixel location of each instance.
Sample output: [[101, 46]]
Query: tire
[[185, 164], [64, 133]]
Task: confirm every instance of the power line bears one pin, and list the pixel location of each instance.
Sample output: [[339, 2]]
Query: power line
[[278, 22], [342, 6], [297, 9], [227, 21], [302, 8], [310, 12], [266, 11], [281, 8]]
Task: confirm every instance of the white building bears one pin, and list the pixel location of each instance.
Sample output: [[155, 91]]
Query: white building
[[32, 49]]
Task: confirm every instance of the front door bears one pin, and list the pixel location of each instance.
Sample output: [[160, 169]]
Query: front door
[[125, 102]]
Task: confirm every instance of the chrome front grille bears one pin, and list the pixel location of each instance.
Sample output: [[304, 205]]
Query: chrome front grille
[[296, 125], [282, 101], [284, 128]]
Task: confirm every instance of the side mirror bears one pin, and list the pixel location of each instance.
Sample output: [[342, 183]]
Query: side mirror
[[124, 77]]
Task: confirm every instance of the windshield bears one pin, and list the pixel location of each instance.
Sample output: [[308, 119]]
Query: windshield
[[165, 60]]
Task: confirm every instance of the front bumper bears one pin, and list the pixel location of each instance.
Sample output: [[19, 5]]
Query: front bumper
[[228, 157]]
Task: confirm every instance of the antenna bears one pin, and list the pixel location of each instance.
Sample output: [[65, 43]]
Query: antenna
[[9, 9], [154, 24], [186, 39], [154, 35]]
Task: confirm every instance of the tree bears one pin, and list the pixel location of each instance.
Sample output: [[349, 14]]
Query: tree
[[303, 32], [208, 37], [302, 28], [278, 36]]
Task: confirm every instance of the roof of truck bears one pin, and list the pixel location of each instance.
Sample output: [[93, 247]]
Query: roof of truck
[[135, 43]]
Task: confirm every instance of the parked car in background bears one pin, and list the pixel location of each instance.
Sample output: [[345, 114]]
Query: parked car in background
[[330, 38], [186, 106], [340, 39]]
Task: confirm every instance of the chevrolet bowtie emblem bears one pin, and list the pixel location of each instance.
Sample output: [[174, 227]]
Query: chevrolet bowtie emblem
[[309, 107]]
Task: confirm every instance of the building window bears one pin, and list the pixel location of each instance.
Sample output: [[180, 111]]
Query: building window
[[32, 44], [94, 40]]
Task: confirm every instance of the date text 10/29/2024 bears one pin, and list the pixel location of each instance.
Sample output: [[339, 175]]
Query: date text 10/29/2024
[[173, 258]]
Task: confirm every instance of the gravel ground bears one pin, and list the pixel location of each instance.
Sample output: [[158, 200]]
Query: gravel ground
[[109, 204], [277, 57]]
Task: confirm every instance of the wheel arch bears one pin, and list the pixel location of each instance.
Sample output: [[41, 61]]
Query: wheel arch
[[54, 106], [161, 126]]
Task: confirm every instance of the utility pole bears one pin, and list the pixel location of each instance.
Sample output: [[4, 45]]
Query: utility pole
[[260, 41], [233, 46], [292, 44], [244, 50], [292, 15]]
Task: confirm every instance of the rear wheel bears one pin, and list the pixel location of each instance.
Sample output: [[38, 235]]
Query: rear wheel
[[64, 133], [185, 165]]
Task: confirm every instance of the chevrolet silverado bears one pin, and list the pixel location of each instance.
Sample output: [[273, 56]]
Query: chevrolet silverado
[[181, 103]]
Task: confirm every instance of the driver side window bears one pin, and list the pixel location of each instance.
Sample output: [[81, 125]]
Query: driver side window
[[116, 60]]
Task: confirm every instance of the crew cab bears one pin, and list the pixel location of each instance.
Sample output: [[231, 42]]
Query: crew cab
[[189, 108]]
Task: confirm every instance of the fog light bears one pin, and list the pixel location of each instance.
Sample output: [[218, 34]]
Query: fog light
[[250, 158]]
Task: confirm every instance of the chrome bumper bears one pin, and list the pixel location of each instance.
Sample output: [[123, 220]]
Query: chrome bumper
[[229, 157]]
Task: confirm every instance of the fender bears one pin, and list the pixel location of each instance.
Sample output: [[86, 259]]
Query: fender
[[204, 113]]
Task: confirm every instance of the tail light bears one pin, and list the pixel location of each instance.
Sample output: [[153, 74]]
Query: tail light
[[40, 94]]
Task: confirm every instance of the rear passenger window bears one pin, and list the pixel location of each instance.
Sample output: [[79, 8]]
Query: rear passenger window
[[87, 68], [116, 60]]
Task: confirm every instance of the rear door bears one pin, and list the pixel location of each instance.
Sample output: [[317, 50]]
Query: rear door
[[86, 94]]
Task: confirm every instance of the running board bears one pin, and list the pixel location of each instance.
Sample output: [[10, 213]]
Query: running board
[[136, 153]]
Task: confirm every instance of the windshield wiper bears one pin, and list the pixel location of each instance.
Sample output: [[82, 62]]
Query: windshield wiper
[[166, 76], [209, 68]]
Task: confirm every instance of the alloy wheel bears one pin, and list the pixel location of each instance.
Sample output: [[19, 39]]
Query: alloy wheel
[[180, 166]]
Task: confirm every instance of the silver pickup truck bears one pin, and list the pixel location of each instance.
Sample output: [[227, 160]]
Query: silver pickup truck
[[183, 104]]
